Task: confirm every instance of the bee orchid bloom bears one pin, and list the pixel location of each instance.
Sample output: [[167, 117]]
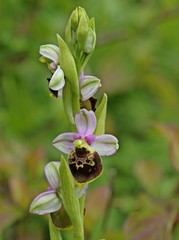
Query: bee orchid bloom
[[84, 148], [50, 55], [49, 201]]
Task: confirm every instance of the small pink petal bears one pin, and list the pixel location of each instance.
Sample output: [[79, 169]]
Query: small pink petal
[[81, 75], [52, 174], [53, 65], [45, 202], [64, 142], [90, 139], [105, 144], [89, 86], [85, 122]]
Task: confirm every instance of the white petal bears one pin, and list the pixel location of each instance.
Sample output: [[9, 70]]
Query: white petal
[[57, 81], [105, 144], [64, 142], [85, 122], [45, 202], [81, 190], [89, 86], [52, 174], [60, 93], [50, 51]]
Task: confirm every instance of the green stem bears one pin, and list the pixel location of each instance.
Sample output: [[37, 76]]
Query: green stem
[[78, 233], [67, 102], [79, 230], [54, 232], [82, 204], [75, 103]]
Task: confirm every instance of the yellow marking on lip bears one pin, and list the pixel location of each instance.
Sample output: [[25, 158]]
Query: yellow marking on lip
[[78, 143]]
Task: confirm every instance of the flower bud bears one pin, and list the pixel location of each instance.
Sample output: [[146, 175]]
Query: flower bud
[[74, 19], [82, 32], [89, 43], [80, 36]]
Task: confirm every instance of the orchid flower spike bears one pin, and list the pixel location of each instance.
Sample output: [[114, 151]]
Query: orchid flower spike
[[50, 55], [84, 148], [50, 200]]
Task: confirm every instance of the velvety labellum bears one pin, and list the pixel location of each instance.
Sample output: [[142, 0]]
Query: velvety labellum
[[85, 165]]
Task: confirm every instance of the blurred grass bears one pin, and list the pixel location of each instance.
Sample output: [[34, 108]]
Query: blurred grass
[[137, 60]]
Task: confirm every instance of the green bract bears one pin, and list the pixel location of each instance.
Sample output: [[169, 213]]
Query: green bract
[[101, 115], [68, 66], [70, 199], [67, 102]]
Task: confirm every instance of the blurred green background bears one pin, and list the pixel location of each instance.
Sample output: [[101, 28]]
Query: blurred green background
[[136, 58]]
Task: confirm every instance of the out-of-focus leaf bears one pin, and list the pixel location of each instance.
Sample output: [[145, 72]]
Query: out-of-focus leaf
[[154, 220], [176, 230], [7, 167], [172, 134], [19, 190], [163, 88], [96, 205], [111, 235], [30, 235], [154, 227], [26, 230], [149, 174], [34, 161], [8, 214]]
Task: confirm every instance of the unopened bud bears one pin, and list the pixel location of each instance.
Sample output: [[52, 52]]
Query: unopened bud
[[82, 32], [74, 19], [90, 42]]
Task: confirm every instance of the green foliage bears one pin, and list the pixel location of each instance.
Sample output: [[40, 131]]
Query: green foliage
[[136, 59], [101, 115]]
